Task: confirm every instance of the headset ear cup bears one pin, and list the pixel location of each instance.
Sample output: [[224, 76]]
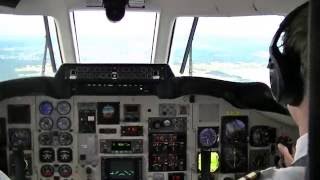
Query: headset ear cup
[[286, 82]]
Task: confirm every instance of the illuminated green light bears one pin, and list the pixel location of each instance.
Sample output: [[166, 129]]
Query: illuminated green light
[[214, 162]]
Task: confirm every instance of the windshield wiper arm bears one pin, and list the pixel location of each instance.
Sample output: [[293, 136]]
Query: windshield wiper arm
[[189, 44]]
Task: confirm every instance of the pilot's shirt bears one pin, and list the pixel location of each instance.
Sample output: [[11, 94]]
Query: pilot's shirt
[[298, 168], [3, 176]]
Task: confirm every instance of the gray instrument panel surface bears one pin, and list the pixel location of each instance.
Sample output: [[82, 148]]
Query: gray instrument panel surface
[[204, 112]]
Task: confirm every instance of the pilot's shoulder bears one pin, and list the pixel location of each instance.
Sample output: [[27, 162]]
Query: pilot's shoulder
[[3, 176], [292, 173]]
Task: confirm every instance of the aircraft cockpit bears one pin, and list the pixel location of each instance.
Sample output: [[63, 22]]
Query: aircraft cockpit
[[173, 91]]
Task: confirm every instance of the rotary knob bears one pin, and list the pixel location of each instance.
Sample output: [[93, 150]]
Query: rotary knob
[[167, 123], [157, 125]]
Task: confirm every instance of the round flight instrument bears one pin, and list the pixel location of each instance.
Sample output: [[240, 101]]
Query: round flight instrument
[[46, 123], [208, 137], [46, 155], [45, 139], [45, 108], [65, 170], [47, 170], [63, 123], [63, 107], [64, 155], [65, 138]]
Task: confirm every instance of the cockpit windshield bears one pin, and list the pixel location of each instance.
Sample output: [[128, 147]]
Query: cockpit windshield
[[102, 41], [226, 48]]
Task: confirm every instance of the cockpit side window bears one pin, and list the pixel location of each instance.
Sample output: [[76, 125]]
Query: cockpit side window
[[24, 50], [226, 48]]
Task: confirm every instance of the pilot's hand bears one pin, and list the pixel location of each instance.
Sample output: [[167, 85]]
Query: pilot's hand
[[286, 157]]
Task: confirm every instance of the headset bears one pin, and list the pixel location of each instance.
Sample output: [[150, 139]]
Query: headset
[[287, 84]]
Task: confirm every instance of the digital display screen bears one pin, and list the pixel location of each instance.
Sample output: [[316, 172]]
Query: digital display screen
[[121, 168], [131, 112], [19, 114], [214, 162], [132, 108], [108, 113], [121, 146]]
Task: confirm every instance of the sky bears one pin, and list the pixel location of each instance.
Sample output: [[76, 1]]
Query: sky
[[234, 49]]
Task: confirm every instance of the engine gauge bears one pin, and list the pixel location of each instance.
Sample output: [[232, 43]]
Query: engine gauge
[[208, 137], [45, 139], [65, 170], [46, 123], [45, 108], [65, 139], [64, 123], [63, 107], [47, 170]]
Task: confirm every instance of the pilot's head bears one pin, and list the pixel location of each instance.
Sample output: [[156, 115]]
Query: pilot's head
[[288, 65]]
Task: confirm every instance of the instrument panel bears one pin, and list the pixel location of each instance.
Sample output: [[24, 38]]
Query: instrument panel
[[138, 137]]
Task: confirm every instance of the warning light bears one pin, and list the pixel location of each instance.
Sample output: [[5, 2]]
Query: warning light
[[214, 162]]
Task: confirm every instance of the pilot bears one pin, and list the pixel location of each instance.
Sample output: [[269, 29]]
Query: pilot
[[288, 76], [3, 176]]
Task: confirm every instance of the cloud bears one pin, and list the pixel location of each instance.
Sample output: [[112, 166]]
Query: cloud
[[222, 75], [21, 25], [24, 55], [262, 54], [29, 68], [33, 70], [230, 71]]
